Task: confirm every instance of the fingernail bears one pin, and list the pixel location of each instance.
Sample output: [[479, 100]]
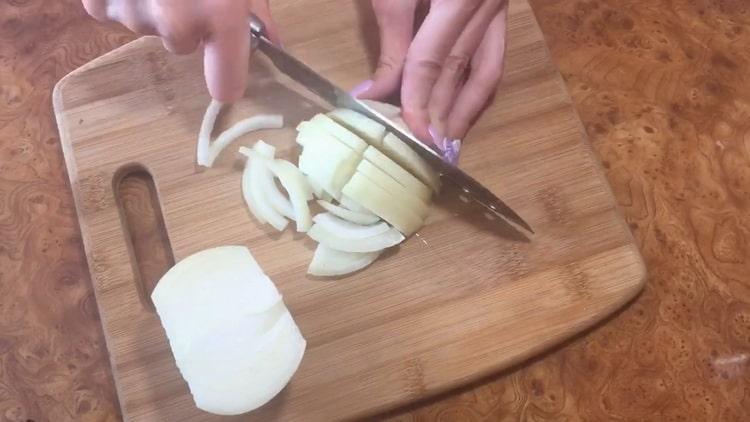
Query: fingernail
[[439, 140], [361, 88], [452, 151]]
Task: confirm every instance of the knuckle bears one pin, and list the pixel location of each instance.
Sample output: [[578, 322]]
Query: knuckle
[[427, 67], [457, 64]]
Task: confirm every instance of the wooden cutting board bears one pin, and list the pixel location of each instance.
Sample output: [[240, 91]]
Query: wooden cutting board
[[456, 303]]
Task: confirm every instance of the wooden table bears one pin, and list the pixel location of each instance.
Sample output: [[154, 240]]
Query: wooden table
[[661, 88]]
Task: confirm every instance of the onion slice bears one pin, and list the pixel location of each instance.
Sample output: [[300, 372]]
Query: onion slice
[[329, 262], [336, 240], [347, 229], [208, 151], [357, 217], [299, 191], [257, 182]]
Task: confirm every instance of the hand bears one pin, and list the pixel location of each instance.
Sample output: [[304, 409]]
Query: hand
[[220, 25], [447, 71]]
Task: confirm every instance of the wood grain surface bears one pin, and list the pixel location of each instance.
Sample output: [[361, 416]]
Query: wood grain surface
[[408, 327], [660, 87]]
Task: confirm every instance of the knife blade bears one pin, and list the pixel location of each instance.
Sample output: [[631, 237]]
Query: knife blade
[[471, 189]]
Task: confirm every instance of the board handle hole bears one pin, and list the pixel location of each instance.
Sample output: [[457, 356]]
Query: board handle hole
[[140, 212]]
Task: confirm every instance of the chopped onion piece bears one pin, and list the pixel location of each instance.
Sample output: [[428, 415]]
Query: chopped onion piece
[[329, 262], [322, 124], [335, 240], [385, 181], [329, 163], [358, 217], [347, 229]]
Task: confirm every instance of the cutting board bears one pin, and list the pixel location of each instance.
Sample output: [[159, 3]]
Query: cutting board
[[458, 302]]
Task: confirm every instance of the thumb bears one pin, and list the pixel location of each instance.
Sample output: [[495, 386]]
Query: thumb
[[396, 22]]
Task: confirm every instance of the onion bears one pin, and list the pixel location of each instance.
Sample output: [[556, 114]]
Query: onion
[[321, 125], [257, 182], [329, 262], [209, 151], [402, 176], [337, 240], [233, 339], [358, 217], [329, 163], [347, 229], [376, 199], [204, 134], [394, 188], [352, 205], [402, 154], [299, 191], [368, 129]]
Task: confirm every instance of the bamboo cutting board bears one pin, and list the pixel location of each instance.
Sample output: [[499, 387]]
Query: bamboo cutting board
[[455, 303]]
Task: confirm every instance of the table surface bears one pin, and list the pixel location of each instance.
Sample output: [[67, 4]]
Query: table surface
[[661, 89]]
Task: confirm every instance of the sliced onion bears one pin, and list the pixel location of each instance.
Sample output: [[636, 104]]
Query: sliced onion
[[258, 186], [329, 262], [357, 217], [385, 181], [299, 191], [367, 129], [322, 124], [329, 163], [204, 134], [402, 176], [335, 240], [208, 151], [401, 153], [352, 205], [347, 229], [376, 199]]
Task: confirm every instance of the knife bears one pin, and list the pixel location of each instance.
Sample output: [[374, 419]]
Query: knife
[[470, 189]]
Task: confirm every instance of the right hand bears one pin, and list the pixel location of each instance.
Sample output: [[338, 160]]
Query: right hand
[[220, 25]]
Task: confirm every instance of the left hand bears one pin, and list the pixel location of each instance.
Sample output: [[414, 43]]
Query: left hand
[[448, 71]]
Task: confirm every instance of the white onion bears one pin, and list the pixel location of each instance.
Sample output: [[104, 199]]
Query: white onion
[[407, 158], [357, 217], [402, 176], [367, 129], [329, 262], [397, 190], [208, 151], [299, 191], [352, 205], [336, 240], [257, 181], [347, 229], [232, 337], [322, 124]]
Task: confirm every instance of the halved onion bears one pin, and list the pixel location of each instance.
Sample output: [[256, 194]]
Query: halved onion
[[232, 337], [329, 262], [367, 129], [347, 229], [359, 217], [208, 151], [336, 239]]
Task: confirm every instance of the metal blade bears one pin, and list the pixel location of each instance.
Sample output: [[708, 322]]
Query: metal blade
[[339, 98]]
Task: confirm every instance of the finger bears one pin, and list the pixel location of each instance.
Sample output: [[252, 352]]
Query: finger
[[424, 61], [455, 67], [396, 27], [226, 55], [181, 28], [96, 8], [262, 10], [486, 72], [134, 15]]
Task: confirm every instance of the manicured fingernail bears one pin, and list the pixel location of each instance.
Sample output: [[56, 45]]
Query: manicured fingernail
[[439, 140], [361, 88], [452, 151]]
